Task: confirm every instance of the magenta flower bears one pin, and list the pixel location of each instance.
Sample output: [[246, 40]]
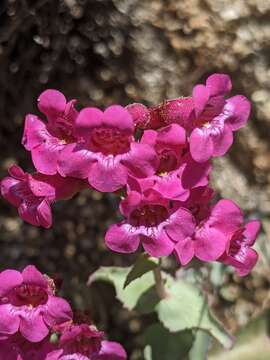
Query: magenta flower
[[28, 304], [168, 112], [151, 219], [177, 172], [111, 350], [239, 254], [199, 202], [214, 119], [16, 347], [140, 115], [107, 152], [84, 342], [45, 140], [33, 194], [208, 239]]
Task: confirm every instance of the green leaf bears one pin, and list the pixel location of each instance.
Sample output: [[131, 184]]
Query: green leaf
[[148, 301], [117, 277], [143, 264], [163, 345], [200, 346], [186, 308]]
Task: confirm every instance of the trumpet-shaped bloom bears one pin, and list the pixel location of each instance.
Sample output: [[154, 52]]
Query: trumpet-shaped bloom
[[28, 304], [208, 239], [46, 140], [33, 194], [84, 342], [239, 253], [16, 347], [152, 220], [107, 152], [177, 172], [214, 119]]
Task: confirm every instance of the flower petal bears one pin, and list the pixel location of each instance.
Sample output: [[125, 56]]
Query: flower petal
[[170, 187], [184, 251], [35, 132], [158, 244], [226, 216], [17, 172], [45, 156], [222, 141], [248, 264], [31, 275], [237, 109], [58, 311], [42, 185], [88, 119], [9, 322], [209, 244], [149, 137], [107, 174], [9, 190], [141, 160], [194, 174], [139, 113], [218, 84], [51, 103], [122, 238], [44, 214], [130, 203], [9, 279], [32, 326], [118, 117], [182, 225], [200, 95], [201, 144], [111, 351], [76, 161], [28, 212], [172, 135], [251, 231], [8, 351]]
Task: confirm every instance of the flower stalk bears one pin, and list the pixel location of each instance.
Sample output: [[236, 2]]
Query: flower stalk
[[160, 288]]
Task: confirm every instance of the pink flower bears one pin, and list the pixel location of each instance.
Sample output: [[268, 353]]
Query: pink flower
[[33, 194], [140, 115], [111, 350], [199, 202], [208, 239], [16, 347], [239, 253], [107, 152], [168, 112], [151, 219], [84, 342], [28, 304], [214, 119], [177, 172], [46, 140]]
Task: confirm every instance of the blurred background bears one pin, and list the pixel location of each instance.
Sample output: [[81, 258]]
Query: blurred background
[[121, 51]]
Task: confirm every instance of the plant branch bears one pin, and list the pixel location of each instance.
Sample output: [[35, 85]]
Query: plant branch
[[159, 283]]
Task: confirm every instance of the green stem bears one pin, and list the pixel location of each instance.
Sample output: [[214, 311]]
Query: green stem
[[159, 283]]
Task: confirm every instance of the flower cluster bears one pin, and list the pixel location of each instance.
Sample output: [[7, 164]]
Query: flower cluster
[[30, 313], [160, 157]]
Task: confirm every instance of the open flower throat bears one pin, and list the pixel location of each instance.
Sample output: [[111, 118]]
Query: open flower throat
[[109, 141], [149, 215], [28, 295]]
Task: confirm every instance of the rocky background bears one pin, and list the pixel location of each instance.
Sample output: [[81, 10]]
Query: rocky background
[[122, 51]]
